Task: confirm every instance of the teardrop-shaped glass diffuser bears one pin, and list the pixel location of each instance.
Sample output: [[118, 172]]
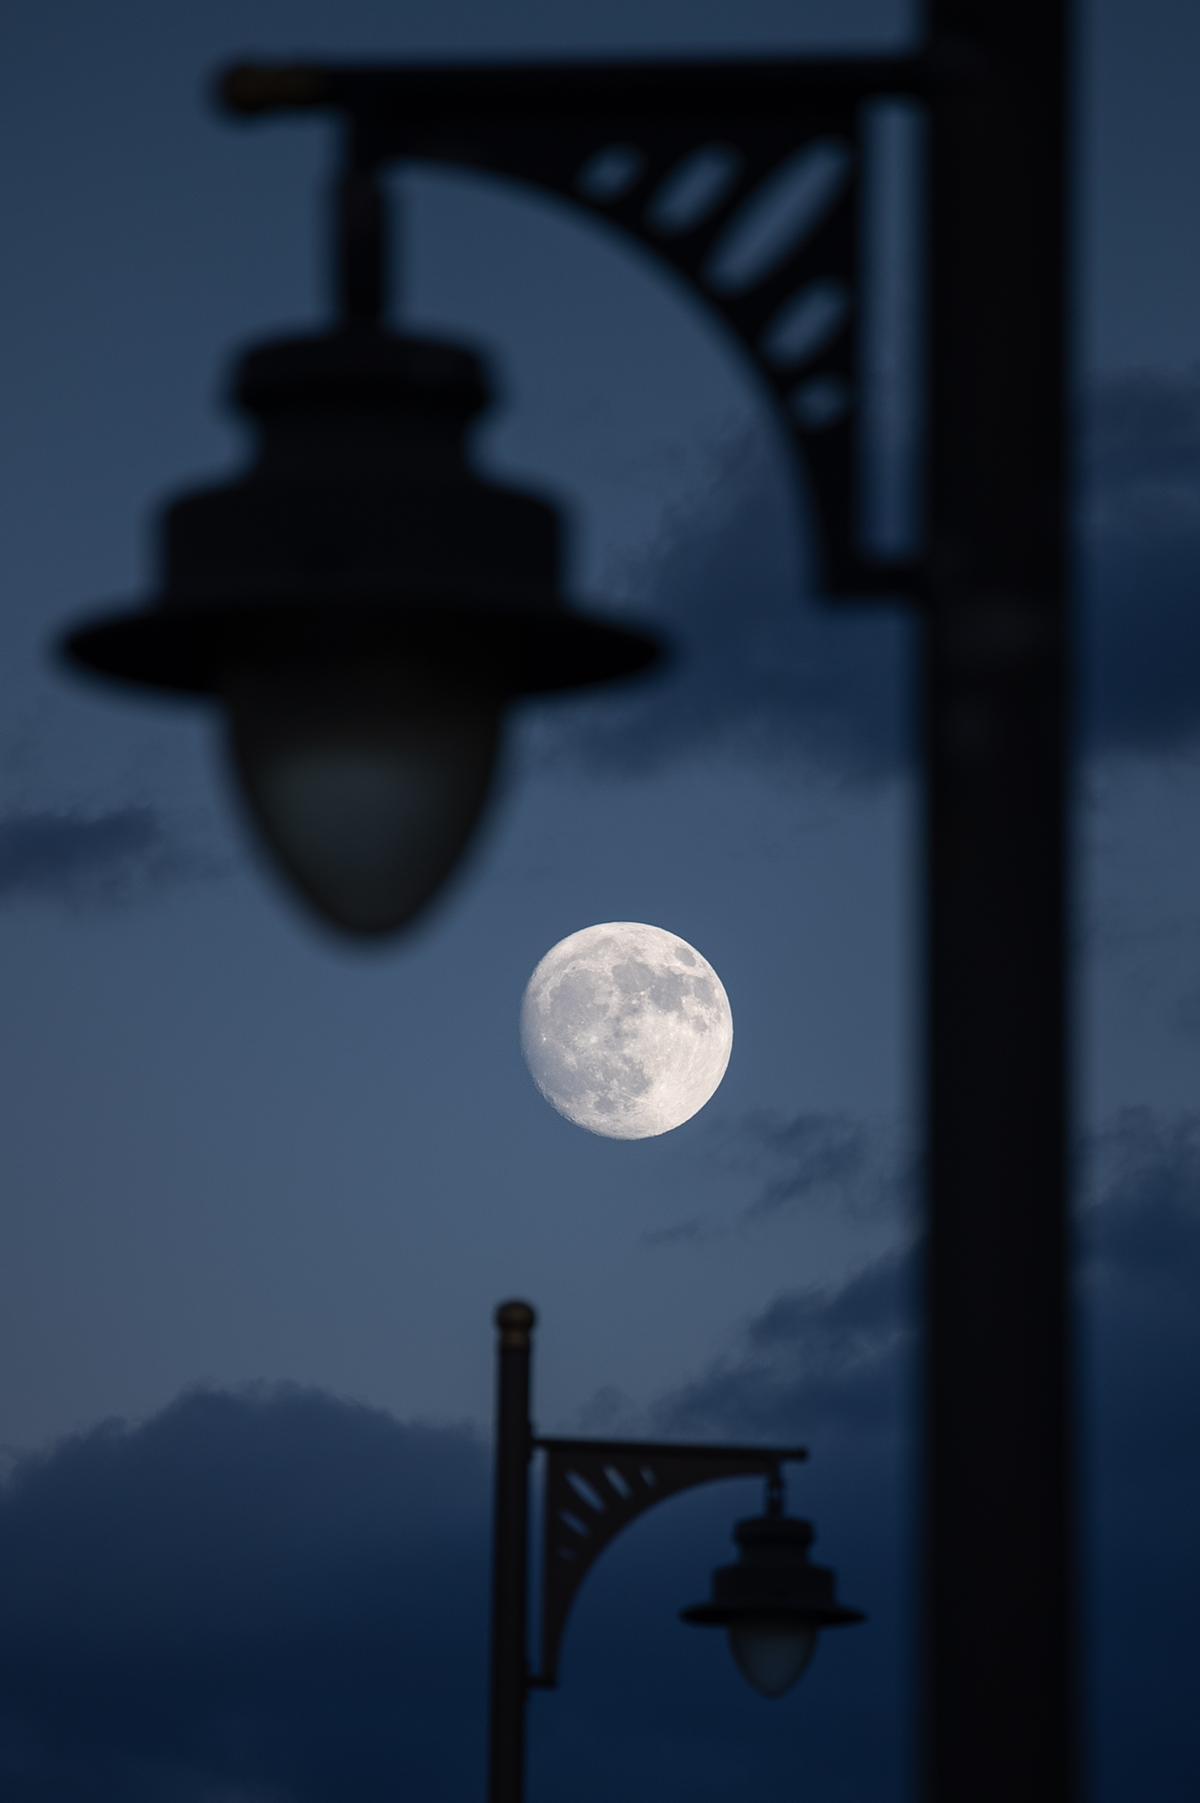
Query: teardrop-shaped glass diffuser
[[366, 783], [771, 1654]]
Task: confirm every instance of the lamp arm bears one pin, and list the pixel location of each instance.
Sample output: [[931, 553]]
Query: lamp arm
[[552, 126], [596, 1488]]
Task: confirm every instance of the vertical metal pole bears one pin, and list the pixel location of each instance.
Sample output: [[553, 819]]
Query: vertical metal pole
[[510, 1543], [360, 238], [999, 1704]]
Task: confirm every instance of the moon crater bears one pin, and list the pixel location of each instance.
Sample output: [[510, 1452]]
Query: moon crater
[[626, 1029]]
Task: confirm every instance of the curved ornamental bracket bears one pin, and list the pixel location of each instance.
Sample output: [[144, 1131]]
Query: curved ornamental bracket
[[678, 157], [595, 1488]]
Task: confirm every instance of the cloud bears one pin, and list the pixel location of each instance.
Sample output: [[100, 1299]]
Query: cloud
[[819, 1359], [1142, 446], [254, 1597], [1140, 1278], [765, 671], [1140, 1369], [1185, 1015], [1140, 567], [833, 1352], [770, 673], [795, 1163], [694, 1231], [81, 860], [813, 1152]]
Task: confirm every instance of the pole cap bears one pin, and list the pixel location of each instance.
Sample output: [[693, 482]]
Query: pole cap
[[515, 1321]]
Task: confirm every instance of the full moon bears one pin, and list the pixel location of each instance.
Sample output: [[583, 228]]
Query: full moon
[[626, 1029]]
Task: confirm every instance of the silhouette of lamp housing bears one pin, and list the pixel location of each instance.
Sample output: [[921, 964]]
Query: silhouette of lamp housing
[[773, 1600], [365, 604]]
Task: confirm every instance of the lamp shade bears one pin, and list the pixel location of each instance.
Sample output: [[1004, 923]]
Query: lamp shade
[[365, 603], [773, 1600]]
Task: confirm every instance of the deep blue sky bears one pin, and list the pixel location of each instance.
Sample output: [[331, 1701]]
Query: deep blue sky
[[240, 1154]]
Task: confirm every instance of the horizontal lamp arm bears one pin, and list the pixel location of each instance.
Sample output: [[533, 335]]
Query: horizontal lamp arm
[[693, 90], [755, 1459]]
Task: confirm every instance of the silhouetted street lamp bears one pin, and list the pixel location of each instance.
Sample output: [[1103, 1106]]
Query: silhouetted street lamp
[[774, 1601], [367, 607]]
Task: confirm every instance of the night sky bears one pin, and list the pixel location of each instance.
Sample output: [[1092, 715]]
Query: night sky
[[262, 1188]]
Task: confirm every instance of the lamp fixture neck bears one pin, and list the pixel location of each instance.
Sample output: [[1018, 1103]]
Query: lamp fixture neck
[[360, 234]]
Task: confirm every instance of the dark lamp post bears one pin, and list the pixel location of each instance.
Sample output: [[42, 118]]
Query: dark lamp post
[[773, 1601], [365, 604]]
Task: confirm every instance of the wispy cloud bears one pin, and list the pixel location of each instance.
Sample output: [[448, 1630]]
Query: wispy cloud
[[81, 860], [1141, 446], [695, 1231], [764, 671], [810, 1153], [792, 1164], [770, 673], [828, 1358]]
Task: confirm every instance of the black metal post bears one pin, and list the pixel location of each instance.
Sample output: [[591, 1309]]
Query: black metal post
[[510, 1546], [999, 1706], [360, 236]]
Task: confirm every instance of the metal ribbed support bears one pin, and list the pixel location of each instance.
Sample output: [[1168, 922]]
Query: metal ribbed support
[[594, 1489], [553, 125]]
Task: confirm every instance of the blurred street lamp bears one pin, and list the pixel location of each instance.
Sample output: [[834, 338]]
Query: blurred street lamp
[[365, 605], [774, 1601]]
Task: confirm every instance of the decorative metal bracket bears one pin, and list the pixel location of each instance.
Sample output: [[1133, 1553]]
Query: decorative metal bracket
[[625, 142], [596, 1488]]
